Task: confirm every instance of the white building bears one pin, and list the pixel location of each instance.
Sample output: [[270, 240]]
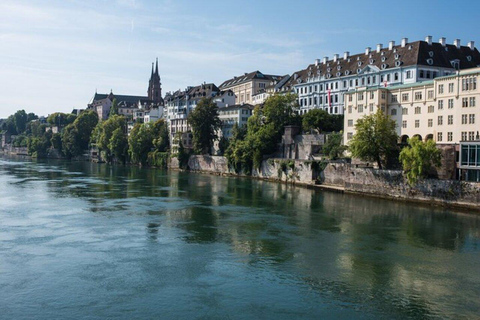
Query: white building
[[323, 84]]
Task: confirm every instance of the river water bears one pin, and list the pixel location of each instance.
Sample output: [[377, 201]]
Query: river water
[[90, 241]]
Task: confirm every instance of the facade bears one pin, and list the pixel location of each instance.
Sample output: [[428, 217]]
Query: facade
[[250, 84], [444, 109], [469, 163], [127, 104], [153, 115], [275, 86], [231, 115], [179, 104], [324, 83]]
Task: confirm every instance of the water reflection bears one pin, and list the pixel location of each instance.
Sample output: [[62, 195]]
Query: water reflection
[[395, 260]]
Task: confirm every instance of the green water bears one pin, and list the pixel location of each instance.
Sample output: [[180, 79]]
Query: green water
[[81, 240]]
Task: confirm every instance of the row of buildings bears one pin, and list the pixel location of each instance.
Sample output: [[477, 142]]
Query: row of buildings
[[420, 84]]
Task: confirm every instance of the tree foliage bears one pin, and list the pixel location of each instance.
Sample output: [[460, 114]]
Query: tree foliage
[[103, 133], [321, 121], [375, 138], [161, 141], [140, 143], [61, 119], [418, 158], [205, 123], [264, 131], [114, 108], [333, 148]]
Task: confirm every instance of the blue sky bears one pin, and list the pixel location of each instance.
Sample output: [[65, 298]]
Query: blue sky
[[54, 54]]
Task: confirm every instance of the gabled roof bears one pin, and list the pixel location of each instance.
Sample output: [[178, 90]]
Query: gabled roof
[[416, 53], [248, 77]]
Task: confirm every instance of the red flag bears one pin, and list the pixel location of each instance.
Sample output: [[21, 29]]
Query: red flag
[[385, 84], [329, 98]]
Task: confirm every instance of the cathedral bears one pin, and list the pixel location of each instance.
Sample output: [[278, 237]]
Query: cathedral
[[130, 106]]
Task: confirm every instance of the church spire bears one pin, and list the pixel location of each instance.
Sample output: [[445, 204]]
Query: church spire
[[156, 68]]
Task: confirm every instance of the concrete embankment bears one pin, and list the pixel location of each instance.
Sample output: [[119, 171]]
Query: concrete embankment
[[342, 177]]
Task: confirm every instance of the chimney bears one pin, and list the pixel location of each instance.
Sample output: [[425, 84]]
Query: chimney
[[471, 45], [346, 54], [404, 42], [367, 50], [456, 43], [317, 62], [428, 39], [335, 57], [325, 59], [391, 44], [379, 47], [442, 41]]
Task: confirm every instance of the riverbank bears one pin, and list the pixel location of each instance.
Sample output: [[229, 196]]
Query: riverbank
[[347, 178]]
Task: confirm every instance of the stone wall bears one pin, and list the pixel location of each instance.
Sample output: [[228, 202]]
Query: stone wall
[[213, 164]]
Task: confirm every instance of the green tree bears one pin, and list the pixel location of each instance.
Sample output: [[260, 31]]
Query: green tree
[[31, 116], [375, 138], [418, 158], [223, 145], [61, 119], [85, 123], [103, 132], [20, 120], [56, 141], [118, 144], [114, 108], [140, 143], [205, 123], [321, 121], [70, 141], [161, 141], [333, 148]]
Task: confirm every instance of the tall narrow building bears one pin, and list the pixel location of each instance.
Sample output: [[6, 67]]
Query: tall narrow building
[[154, 85]]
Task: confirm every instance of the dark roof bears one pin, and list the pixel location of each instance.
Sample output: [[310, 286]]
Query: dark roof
[[415, 53], [248, 77], [200, 91], [125, 98]]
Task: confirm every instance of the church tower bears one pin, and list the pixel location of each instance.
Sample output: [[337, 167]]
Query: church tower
[[154, 85]]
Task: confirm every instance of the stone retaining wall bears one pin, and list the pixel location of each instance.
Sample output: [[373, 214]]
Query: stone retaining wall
[[382, 183]]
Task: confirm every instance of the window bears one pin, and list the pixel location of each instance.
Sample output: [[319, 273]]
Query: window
[[472, 101], [350, 97], [404, 111], [430, 94], [450, 119], [471, 135], [431, 109], [464, 102], [388, 77], [395, 76], [408, 74], [371, 107], [464, 136], [418, 95], [430, 123], [394, 98], [440, 120], [449, 136], [349, 109], [404, 96], [469, 84], [422, 74], [372, 95], [471, 119], [417, 123], [383, 95], [439, 136], [440, 88], [464, 118], [418, 110], [360, 96], [450, 87], [360, 108], [450, 103], [440, 104], [393, 112], [404, 124], [350, 123], [349, 135]]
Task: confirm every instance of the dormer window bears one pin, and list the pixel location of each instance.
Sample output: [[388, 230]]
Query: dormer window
[[359, 70], [371, 61], [347, 72], [430, 53], [339, 74], [430, 61], [398, 63], [383, 53], [383, 59], [339, 67], [394, 50], [358, 58], [328, 69], [397, 56], [469, 58], [348, 59], [384, 66], [455, 64], [359, 63], [410, 47]]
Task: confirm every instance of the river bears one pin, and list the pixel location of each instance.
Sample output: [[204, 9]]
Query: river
[[93, 241]]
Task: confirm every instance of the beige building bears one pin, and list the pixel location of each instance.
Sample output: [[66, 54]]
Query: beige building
[[445, 109], [246, 86]]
